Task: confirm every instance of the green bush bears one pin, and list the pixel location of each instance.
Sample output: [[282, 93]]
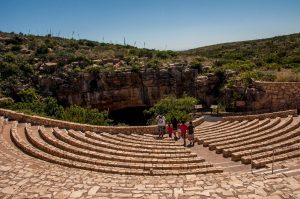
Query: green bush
[[171, 107], [85, 115], [6, 101], [28, 95]]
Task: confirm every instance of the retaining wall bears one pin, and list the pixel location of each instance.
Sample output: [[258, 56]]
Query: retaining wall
[[262, 116], [275, 96], [37, 120]]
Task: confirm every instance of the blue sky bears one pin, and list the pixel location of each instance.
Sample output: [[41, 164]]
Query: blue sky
[[161, 24]]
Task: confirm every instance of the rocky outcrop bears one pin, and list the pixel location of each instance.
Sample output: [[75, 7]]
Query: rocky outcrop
[[116, 90]]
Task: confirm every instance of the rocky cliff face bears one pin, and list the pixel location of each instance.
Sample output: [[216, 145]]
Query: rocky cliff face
[[117, 90]]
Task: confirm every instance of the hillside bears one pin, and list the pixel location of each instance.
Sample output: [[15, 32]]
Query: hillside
[[267, 59], [24, 57]]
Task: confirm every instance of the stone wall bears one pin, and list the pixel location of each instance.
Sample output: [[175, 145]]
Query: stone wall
[[273, 96], [37, 120], [262, 116]]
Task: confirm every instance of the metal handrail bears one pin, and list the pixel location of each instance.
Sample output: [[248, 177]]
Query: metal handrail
[[274, 149]]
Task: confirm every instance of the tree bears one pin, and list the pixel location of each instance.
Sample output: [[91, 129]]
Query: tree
[[172, 107]]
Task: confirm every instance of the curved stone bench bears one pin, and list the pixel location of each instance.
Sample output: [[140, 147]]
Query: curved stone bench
[[221, 136], [236, 133], [212, 125], [227, 128], [243, 135], [145, 142], [218, 128]]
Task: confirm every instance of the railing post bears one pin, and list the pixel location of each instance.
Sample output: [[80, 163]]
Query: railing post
[[273, 160], [251, 161]]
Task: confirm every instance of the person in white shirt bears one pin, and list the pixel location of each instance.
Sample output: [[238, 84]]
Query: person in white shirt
[[161, 123]]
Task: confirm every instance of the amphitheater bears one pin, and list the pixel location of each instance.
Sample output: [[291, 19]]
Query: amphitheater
[[253, 156]]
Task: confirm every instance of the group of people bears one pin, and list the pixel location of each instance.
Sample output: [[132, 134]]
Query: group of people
[[178, 129]]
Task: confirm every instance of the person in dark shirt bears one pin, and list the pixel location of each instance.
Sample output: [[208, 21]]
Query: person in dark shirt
[[191, 134], [174, 124]]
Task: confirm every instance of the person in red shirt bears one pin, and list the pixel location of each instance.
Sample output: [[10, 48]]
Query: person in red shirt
[[170, 129], [183, 129]]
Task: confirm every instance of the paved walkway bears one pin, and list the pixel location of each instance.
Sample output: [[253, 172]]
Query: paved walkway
[[20, 180]]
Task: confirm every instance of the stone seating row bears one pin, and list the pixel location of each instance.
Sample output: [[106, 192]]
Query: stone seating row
[[242, 131], [110, 142], [141, 141], [233, 125], [152, 138], [218, 127], [220, 136], [206, 124], [244, 135], [212, 125]]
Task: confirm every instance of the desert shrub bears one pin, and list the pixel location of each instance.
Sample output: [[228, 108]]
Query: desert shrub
[[94, 69], [153, 63], [240, 66], [196, 65], [8, 69], [52, 108], [165, 54], [287, 76], [43, 49], [6, 101], [28, 95], [247, 76], [135, 68]]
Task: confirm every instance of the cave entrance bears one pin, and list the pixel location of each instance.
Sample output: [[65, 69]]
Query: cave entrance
[[132, 116]]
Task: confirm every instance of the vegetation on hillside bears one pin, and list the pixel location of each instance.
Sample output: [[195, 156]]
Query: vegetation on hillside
[[263, 59]]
